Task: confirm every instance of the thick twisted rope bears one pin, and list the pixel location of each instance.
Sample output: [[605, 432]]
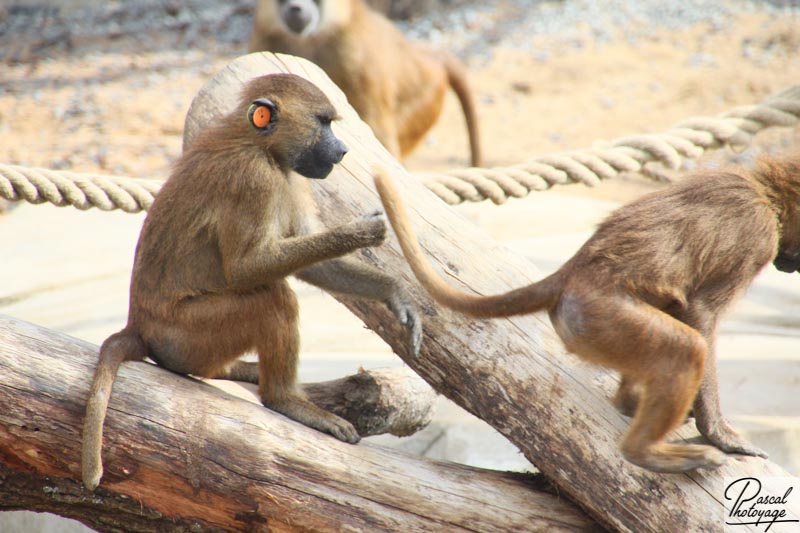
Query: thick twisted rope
[[37, 186], [636, 154]]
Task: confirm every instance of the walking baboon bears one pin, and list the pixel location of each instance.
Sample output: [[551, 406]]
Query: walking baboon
[[396, 86], [645, 293]]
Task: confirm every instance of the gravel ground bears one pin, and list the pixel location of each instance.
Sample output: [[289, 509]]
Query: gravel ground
[[33, 30]]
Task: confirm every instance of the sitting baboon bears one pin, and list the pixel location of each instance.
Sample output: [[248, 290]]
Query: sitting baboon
[[232, 221]]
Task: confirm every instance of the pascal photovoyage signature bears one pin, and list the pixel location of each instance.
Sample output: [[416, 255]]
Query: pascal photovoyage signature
[[751, 506]]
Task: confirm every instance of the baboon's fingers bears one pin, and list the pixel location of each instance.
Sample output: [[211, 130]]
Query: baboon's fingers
[[728, 440]]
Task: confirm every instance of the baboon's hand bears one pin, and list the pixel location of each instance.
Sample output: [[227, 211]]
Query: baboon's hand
[[408, 315], [368, 230]]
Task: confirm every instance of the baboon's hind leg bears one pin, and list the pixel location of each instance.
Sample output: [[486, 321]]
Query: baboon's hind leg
[[660, 354]]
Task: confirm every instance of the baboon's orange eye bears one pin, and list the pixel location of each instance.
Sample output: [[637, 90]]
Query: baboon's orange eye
[[261, 115]]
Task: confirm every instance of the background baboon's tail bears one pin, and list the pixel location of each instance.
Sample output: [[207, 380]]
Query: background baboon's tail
[[457, 78], [122, 346], [518, 301]]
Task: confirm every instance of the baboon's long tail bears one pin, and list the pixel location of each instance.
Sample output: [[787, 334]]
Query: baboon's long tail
[[122, 346], [457, 78], [526, 299]]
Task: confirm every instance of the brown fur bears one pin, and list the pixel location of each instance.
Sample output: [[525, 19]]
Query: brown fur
[[229, 225], [645, 293], [396, 86]]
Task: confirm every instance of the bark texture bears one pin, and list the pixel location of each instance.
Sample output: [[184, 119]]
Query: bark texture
[[182, 455]]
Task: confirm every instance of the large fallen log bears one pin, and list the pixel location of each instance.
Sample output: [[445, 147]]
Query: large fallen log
[[183, 455], [512, 373]]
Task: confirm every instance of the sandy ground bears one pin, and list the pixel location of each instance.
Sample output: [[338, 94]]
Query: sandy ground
[[117, 106]]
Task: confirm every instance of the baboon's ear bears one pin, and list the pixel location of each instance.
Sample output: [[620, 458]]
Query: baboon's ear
[[262, 114]]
